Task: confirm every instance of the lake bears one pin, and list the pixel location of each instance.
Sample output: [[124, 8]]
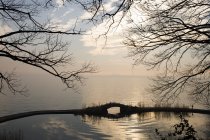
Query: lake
[[45, 94]]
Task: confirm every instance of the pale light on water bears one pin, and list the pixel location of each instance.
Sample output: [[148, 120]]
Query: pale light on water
[[66, 127]]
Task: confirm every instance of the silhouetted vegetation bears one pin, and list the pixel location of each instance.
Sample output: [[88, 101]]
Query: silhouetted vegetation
[[11, 135], [163, 35], [182, 131], [166, 34]]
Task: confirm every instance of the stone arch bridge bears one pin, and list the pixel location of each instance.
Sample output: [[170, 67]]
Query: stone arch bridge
[[102, 110]]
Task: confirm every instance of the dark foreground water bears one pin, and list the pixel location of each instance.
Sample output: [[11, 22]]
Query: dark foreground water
[[65, 127], [98, 90]]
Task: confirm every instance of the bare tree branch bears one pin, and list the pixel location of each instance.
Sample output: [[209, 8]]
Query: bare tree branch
[[35, 43], [174, 31]]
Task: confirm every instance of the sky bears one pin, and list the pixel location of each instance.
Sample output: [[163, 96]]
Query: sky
[[108, 54]]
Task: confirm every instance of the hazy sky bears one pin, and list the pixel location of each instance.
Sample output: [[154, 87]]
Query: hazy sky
[[110, 57]]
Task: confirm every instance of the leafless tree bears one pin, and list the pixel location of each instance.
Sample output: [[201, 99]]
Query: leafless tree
[[24, 38], [170, 32], [174, 35], [35, 43]]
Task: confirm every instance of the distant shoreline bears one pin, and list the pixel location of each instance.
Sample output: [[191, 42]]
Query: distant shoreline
[[101, 111]]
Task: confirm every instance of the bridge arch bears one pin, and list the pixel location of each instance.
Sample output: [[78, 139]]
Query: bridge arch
[[105, 107]]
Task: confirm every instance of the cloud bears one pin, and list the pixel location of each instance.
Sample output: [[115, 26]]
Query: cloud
[[55, 126], [5, 29], [99, 44], [61, 19], [102, 43], [112, 42], [61, 25], [60, 2]]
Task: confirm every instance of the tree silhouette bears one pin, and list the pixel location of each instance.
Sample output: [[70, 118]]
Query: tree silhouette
[[182, 131], [34, 43], [174, 35], [24, 38], [167, 33]]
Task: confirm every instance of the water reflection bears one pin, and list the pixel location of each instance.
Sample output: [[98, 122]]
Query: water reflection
[[54, 127], [133, 127], [137, 126], [142, 126]]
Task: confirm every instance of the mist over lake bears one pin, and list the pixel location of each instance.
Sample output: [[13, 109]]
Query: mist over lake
[[97, 90]]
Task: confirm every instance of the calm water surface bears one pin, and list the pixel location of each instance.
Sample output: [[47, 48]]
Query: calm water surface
[[98, 90]]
